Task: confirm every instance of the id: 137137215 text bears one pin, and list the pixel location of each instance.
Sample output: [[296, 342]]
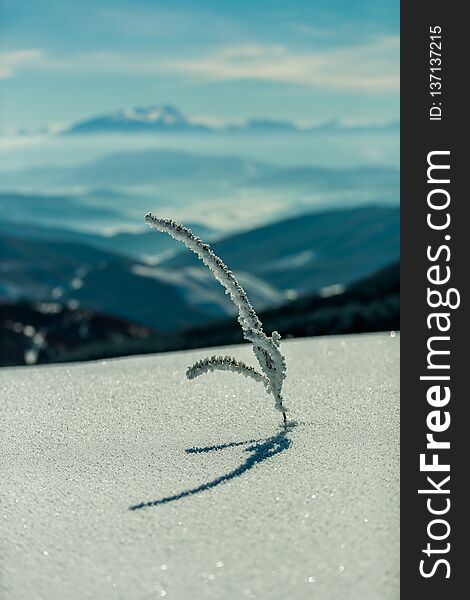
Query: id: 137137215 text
[[435, 72]]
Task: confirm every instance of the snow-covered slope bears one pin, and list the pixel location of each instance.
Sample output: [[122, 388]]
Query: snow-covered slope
[[237, 508]]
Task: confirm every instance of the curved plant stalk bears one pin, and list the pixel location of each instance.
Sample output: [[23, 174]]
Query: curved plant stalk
[[226, 363], [266, 349]]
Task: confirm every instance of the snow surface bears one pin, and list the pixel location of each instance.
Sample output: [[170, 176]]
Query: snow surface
[[240, 508]]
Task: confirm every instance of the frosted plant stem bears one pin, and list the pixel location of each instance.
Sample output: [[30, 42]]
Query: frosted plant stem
[[247, 316], [266, 349], [225, 363]]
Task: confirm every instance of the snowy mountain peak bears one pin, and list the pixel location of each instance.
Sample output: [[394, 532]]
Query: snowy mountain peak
[[151, 114], [166, 118], [140, 118]]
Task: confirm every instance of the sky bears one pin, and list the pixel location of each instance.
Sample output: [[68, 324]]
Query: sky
[[303, 60]]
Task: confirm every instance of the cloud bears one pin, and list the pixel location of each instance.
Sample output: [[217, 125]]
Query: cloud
[[366, 67], [10, 62], [369, 67]]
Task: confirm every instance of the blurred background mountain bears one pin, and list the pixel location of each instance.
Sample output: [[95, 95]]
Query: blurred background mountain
[[290, 173], [80, 277]]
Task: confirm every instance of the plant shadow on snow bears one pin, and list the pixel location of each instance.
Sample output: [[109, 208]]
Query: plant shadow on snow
[[260, 450]]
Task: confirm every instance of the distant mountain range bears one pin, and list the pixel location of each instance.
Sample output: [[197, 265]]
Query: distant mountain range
[[137, 244], [42, 333], [227, 192], [158, 166], [168, 119], [53, 210], [370, 304], [310, 252], [321, 252], [146, 167], [78, 274]]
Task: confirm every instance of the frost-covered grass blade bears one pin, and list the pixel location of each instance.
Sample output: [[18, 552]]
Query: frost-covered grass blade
[[267, 349]]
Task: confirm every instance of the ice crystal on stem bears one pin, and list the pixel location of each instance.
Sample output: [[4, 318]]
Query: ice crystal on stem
[[266, 349]]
